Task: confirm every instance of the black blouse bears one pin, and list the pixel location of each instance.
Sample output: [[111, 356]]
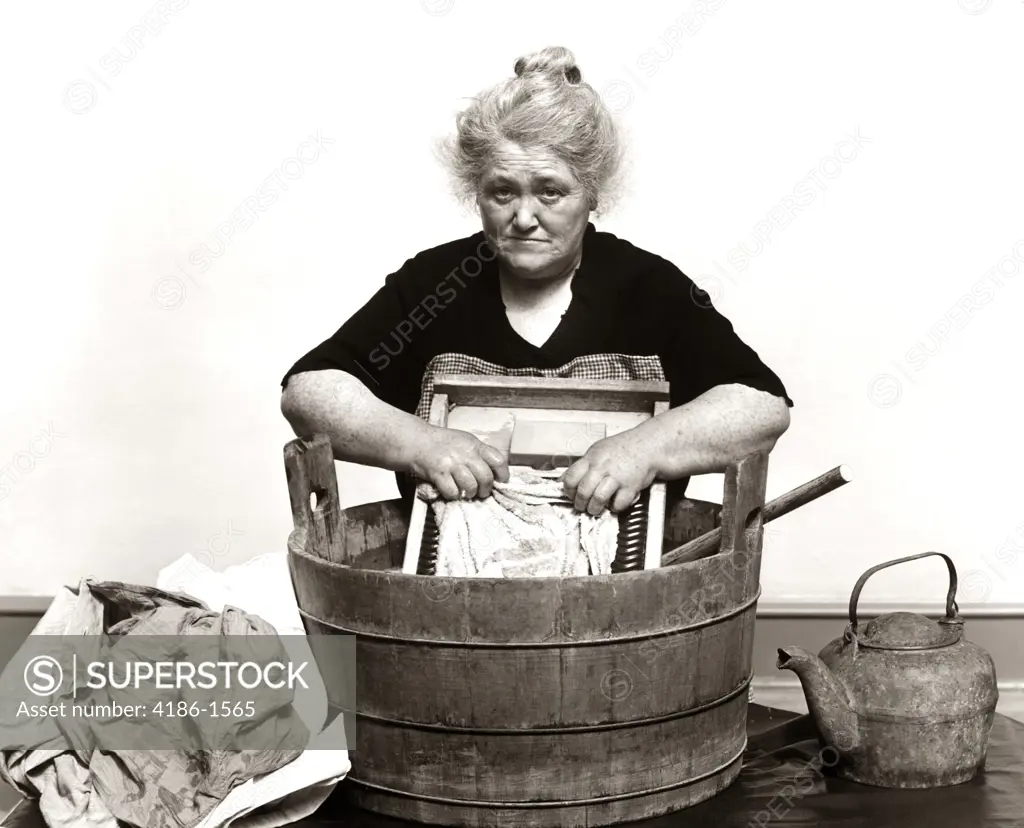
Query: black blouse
[[633, 315]]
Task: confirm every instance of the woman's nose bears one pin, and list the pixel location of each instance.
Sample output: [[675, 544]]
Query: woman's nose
[[524, 215]]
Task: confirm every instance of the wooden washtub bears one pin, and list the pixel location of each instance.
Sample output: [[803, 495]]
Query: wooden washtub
[[531, 701]]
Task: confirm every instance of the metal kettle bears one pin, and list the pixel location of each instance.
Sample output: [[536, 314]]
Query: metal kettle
[[905, 701]]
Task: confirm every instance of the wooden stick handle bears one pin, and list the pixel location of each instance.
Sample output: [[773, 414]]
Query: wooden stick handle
[[802, 495], [707, 544]]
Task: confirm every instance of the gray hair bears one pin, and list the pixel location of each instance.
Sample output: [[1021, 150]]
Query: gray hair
[[545, 106]]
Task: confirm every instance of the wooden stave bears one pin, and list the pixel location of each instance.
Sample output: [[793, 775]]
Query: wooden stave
[[570, 766], [483, 611], [568, 687], [613, 812]]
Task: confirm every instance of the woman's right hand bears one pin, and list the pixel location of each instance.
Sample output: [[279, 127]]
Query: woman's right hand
[[460, 465]]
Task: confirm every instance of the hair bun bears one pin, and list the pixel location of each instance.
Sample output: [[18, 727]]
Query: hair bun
[[552, 61]]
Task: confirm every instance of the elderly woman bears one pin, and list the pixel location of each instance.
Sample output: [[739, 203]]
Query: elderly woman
[[539, 291]]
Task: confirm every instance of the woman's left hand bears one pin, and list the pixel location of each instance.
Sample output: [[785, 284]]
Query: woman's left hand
[[613, 472]]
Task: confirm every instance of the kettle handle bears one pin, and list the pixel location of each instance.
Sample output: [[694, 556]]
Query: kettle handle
[[952, 610]]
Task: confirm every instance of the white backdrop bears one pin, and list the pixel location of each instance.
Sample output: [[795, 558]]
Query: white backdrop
[[844, 179]]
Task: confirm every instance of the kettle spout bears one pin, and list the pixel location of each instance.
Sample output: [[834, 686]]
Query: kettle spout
[[826, 696]]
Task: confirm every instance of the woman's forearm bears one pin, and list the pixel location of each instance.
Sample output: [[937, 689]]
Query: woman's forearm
[[718, 428], [362, 428]]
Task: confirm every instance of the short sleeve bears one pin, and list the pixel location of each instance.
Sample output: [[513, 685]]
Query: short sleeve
[[370, 345], [700, 347]]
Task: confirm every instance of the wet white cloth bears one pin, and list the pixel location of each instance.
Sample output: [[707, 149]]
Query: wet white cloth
[[526, 527]]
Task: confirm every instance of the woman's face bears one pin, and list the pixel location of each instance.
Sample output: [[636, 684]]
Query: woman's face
[[534, 211]]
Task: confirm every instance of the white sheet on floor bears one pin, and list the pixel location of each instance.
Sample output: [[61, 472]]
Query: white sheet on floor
[[263, 586]]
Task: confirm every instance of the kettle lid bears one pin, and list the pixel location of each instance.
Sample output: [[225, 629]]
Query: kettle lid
[[909, 631]]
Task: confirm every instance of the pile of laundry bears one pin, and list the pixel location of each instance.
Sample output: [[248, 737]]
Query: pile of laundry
[[285, 779], [526, 527]]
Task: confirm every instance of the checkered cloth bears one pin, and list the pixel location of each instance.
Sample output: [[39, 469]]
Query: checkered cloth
[[590, 366]]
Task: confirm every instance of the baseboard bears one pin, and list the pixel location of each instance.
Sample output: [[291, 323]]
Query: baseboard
[[18, 605], [786, 682], [1000, 634], [787, 694], [824, 609], [18, 617]]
